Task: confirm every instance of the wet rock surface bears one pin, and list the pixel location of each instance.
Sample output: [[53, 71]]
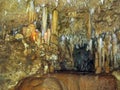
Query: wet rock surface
[[63, 81]]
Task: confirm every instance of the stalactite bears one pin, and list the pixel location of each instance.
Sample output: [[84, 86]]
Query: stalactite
[[50, 19], [55, 22], [107, 52], [89, 27], [49, 34], [92, 10], [100, 44], [53, 33], [99, 68], [96, 62], [31, 11], [44, 20], [72, 44], [56, 3], [103, 55], [90, 45], [114, 49], [118, 35], [102, 1], [45, 37]]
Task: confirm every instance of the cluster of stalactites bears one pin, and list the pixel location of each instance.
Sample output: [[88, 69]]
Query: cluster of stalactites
[[106, 47], [45, 36], [47, 20]]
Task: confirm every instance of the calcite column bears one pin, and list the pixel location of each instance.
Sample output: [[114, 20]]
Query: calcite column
[[54, 35]]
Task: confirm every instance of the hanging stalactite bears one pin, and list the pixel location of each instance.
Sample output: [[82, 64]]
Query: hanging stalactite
[[31, 11], [89, 27], [44, 20], [55, 22]]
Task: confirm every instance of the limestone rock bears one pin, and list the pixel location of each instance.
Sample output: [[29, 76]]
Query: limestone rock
[[68, 82]]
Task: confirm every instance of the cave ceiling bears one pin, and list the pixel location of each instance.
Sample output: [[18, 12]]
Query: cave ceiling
[[105, 14]]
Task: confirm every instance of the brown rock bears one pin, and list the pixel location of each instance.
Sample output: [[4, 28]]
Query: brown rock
[[68, 82]]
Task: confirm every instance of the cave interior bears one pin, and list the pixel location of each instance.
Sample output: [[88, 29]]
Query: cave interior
[[44, 42]]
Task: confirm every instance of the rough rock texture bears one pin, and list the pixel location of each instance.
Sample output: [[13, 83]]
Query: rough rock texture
[[68, 82], [20, 57], [14, 65], [106, 13]]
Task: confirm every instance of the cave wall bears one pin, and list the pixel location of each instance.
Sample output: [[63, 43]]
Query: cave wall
[[104, 12], [76, 20]]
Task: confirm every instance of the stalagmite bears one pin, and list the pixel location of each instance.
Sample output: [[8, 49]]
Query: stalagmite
[[55, 22], [44, 20]]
